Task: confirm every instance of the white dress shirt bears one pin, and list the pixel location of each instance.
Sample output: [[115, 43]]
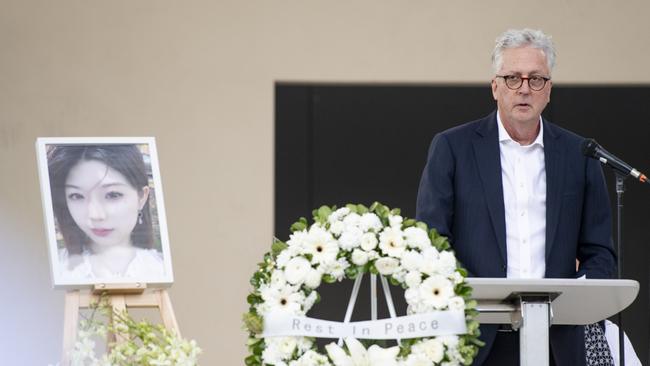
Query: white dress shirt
[[523, 174]]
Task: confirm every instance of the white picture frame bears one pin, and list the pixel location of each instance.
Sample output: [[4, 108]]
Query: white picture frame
[[90, 187]]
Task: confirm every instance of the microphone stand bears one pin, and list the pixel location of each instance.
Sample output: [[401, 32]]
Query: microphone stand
[[620, 189]]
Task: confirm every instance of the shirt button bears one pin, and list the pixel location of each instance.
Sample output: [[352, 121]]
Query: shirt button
[[523, 213], [524, 241]]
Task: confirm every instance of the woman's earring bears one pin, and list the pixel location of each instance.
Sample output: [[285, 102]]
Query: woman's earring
[[140, 217]]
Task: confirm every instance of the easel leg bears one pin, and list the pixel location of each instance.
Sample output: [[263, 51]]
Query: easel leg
[[70, 324], [118, 305], [167, 312]]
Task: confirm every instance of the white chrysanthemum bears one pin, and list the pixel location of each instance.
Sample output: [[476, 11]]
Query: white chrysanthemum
[[419, 359], [321, 245], [314, 278], [350, 238], [277, 278], [430, 264], [304, 344], [311, 358], [432, 348], [447, 263], [310, 300], [456, 277], [338, 215], [372, 255], [296, 270], [395, 221], [278, 349], [359, 257], [352, 219], [370, 222], [436, 291], [337, 227], [369, 241], [412, 260], [417, 238], [413, 278], [386, 265], [391, 242], [336, 268], [399, 274], [284, 256], [456, 303], [297, 241], [451, 341]]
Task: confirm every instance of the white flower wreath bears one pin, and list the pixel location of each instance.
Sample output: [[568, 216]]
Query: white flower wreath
[[343, 244]]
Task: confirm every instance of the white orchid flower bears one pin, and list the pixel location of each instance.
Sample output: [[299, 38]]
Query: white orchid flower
[[359, 356]]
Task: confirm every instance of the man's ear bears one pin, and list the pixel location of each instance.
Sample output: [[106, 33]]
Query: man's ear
[[494, 88]]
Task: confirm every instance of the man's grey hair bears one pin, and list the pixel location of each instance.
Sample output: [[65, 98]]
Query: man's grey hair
[[515, 38]]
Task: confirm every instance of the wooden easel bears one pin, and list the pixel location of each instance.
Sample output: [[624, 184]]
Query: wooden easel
[[121, 297]]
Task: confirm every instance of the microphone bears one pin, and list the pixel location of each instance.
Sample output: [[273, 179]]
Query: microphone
[[592, 149]]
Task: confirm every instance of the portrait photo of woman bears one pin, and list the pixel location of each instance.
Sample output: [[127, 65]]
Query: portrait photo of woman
[[105, 214]]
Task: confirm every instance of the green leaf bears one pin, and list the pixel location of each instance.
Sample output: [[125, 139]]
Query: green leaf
[[395, 212], [253, 323], [352, 207], [361, 209], [328, 278], [408, 223], [299, 225], [278, 247]]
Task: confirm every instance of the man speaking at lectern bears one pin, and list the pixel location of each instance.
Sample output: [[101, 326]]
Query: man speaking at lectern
[[515, 195]]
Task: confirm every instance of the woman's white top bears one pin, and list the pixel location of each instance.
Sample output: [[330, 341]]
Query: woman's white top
[[146, 264]]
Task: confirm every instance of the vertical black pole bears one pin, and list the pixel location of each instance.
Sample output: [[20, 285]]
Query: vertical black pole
[[620, 189]]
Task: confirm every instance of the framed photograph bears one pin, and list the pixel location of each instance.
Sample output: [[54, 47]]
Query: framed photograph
[[104, 211]]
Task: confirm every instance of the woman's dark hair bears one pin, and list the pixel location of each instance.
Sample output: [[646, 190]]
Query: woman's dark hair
[[126, 159]]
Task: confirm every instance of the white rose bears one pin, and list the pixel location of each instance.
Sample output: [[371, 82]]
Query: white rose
[[359, 257], [351, 238], [277, 278], [412, 260], [399, 274], [456, 303], [432, 348], [296, 270], [370, 222], [417, 360], [413, 278], [352, 219], [395, 220], [338, 214], [313, 278], [391, 242], [337, 227], [430, 263], [386, 265], [447, 263], [417, 238], [372, 255], [368, 241]]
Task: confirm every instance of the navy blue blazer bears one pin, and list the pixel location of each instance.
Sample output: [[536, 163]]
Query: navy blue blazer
[[461, 195]]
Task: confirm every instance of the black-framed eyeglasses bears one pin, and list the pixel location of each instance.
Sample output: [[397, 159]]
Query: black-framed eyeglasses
[[514, 82]]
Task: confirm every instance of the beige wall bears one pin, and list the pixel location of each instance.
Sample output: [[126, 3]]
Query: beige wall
[[199, 76]]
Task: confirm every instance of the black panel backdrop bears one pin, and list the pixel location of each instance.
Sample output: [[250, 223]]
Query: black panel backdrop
[[360, 143]]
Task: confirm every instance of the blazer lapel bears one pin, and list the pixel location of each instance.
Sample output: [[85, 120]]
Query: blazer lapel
[[554, 180], [488, 159]]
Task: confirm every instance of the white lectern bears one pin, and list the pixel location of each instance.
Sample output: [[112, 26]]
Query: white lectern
[[533, 305]]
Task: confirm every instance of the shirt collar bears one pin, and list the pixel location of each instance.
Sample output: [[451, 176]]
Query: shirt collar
[[504, 136]]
